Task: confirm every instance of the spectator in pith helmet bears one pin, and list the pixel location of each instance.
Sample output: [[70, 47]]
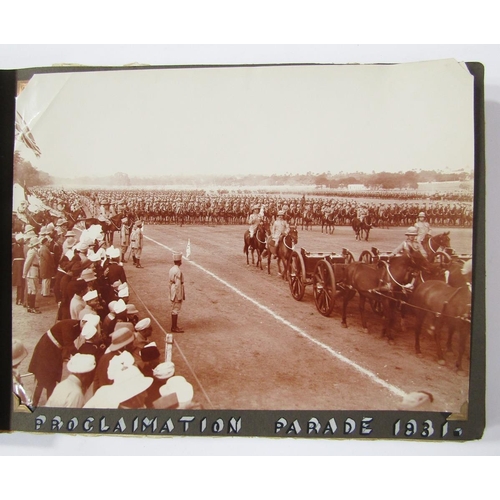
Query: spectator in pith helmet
[[92, 304], [70, 393], [181, 387], [161, 373], [143, 331], [92, 341], [77, 303], [121, 340]]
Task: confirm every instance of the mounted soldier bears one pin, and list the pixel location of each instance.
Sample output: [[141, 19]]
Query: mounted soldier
[[411, 242], [255, 219], [423, 227], [279, 230]]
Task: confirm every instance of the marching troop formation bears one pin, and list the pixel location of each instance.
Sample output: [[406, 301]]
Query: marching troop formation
[[202, 207]]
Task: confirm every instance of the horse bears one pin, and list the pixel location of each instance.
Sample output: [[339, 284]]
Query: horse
[[35, 219], [381, 282], [458, 273], [74, 217], [257, 243], [448, 306], [283, 250], [307, 218], [432, 244], [362, 226], [328, 222]]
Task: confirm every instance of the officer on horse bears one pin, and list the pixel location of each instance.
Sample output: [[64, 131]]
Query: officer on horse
[[255, 219], [411, 242], [423, 227], [279, 230]]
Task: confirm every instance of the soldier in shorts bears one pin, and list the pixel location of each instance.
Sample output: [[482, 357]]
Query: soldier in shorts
[[136, 244], [177, 294]]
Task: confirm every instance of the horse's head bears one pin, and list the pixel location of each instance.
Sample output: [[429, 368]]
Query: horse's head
[[407, 263], [416, 259], [294, 235], [443, 240], [265, 226]]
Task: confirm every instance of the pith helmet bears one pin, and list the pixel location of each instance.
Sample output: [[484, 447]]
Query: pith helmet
[[412, 231]]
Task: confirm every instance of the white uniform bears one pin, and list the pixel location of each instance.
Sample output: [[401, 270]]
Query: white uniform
[[423, 229]]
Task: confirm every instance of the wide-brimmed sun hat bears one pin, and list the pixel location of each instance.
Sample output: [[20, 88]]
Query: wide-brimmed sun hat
[[19, 352], [120, 338], [411, 231], [81, 363], [180, 386]]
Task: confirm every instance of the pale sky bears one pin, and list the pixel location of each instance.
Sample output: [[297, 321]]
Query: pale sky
[[261, 120]]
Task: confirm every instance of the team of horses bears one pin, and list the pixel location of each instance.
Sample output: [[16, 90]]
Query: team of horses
[[436, 290]]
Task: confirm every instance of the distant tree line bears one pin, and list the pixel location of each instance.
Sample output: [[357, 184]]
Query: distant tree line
[[25, 172], [27, 175]]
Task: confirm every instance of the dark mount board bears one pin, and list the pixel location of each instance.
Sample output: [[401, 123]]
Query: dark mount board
[[342, 424]]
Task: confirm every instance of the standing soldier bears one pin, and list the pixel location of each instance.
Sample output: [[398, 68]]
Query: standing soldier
[[31, 274], [124, 237], [177, 294], [423, 227], [17, 268], [136, 244], [47, 266]]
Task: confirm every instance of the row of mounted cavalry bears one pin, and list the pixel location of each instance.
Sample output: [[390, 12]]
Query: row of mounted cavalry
[[436, 290]]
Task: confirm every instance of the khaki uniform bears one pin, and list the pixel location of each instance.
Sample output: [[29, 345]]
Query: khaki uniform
[[177, 293], [280, 228], [407, 244], [254, 221], [136, 242], [423, 229]]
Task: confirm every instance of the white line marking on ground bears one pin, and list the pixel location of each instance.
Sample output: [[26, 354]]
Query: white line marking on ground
[[374, 378], [177, 345]]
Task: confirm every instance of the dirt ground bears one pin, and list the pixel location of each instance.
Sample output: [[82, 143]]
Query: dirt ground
[[249, 345]]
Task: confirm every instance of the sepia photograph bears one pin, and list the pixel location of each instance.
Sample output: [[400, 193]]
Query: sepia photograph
[[226, 240]]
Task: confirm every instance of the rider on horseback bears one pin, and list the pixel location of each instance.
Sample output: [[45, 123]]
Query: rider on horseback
[[255, 219], [410, 244], [362, 211], [279, 230], [423, 227]]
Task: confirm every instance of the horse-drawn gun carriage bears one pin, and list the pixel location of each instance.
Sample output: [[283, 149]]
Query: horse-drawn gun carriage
[[323, 270], [374, 255], [449, 255]]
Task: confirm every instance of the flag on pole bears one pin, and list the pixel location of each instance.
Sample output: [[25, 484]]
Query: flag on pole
[[188, 249], [23, 133]]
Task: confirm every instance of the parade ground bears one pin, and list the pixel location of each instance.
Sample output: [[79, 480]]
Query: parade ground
[[248, 344]]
